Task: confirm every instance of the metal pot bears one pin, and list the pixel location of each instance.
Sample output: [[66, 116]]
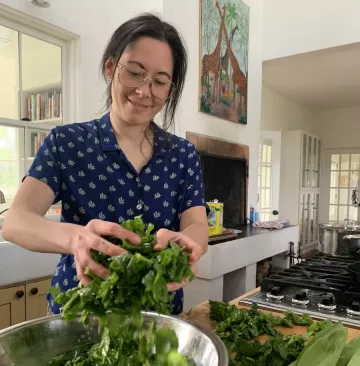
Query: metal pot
[[353, 243], [331, 239], [36, 342]]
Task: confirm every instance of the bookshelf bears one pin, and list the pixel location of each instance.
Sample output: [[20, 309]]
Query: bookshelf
[[43, 103]]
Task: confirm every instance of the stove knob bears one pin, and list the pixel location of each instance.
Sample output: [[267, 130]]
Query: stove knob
[[327, 300], [301, 295], [275, 291], [355, 306]]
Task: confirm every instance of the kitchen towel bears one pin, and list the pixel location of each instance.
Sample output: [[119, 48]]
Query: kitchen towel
[[277, 224]]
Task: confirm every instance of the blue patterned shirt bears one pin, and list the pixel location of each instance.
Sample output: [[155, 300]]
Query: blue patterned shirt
[[84, 166]]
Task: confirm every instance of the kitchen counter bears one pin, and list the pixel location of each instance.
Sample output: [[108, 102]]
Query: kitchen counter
[[200, 316], [248, 231], [228, 269]]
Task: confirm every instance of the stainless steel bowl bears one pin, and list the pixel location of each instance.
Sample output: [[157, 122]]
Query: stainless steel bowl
[[36, 342]]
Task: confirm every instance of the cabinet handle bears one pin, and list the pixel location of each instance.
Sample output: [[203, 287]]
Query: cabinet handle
[[20, 294], [34, 291]]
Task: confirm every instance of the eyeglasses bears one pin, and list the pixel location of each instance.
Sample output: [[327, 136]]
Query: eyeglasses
[[134, 76]]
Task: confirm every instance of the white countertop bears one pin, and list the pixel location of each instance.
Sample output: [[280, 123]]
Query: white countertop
[[20, 265]]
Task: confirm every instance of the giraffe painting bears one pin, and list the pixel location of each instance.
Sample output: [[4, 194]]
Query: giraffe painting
[[238, 77], [210, 63], [224, 38]]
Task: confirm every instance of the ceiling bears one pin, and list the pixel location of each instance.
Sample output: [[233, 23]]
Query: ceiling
[[323, 79]]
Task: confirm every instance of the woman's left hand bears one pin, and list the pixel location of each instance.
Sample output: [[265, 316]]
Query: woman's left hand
[[163, 238]]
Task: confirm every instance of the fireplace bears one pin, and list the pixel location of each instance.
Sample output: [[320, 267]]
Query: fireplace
[[225, 171]]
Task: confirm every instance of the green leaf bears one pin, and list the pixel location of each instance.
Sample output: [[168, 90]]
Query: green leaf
[[136, 281], [349, 351], [355, 359], [325, 348]]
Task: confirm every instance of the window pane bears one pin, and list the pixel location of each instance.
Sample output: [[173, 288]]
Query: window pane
[[354, 178], [334, 196], [268, 177], [334, 179], [355, 162], [269, 154], [41, 80], [343, 213], [345, 160], [335, 159], [11, 160], [264, 153], [344, 179], [9, 73], [353, 213], [263, 198], [263, 176], [267, 200], [333, 213], [344, 196]]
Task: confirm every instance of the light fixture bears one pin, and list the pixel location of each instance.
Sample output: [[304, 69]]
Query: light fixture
[[41, 3]]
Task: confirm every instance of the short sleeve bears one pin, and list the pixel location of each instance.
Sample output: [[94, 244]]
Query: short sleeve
[[46, 165], [194, 188]]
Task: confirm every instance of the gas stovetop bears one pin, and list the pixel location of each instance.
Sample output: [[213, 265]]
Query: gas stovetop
[[319, 286]]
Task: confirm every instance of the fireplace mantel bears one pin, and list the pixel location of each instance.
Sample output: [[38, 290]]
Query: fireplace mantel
[[215, 146]]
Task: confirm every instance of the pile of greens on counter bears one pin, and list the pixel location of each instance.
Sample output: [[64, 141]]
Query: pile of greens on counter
[[322, 345], [137, 281]]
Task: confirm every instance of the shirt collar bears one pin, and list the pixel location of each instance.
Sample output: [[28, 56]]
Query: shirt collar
[[109, 143]]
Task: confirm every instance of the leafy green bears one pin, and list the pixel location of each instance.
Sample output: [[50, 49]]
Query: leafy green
[[349, 351], [325, 348], [137, 281], [355, 359], [238, 327]]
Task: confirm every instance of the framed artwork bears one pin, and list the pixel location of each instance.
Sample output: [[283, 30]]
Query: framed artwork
[[224, 44]]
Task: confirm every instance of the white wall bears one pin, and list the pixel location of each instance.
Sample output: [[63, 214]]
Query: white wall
[[338, 128], [185, 16], [280, 114], [94, 21], [294, 26]]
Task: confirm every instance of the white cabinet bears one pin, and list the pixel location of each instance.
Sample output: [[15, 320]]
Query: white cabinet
[[300, 184]]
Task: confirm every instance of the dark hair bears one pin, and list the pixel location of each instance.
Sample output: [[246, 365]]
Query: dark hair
[[150, 25]]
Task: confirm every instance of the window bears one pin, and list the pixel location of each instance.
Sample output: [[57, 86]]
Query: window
[[344, 179], [10, 159], [31, 77], [265, 180], [33, 68]]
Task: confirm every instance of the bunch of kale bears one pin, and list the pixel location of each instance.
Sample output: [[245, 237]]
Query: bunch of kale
[[238, 328], [137, 281]]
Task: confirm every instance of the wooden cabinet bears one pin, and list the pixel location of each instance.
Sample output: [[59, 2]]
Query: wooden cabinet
[[36, 303], [12, 306], [23, 302], [300, 184]]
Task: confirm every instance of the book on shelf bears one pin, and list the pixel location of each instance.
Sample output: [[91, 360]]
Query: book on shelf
[[43, 106], [37, 139]]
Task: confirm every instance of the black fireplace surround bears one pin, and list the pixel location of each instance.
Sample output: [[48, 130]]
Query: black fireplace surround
[[225, 179]]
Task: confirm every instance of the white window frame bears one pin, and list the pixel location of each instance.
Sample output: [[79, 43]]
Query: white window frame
[[326, 180], [261, 188], [70, 44], [70, 80]]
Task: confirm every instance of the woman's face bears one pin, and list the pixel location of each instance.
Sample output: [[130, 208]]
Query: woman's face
[[136, 105]]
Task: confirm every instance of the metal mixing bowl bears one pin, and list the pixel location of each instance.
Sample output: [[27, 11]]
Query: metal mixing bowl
[[36, 342]]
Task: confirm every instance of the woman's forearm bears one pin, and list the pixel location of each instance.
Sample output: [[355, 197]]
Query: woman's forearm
[[199, 233], [36, 233]]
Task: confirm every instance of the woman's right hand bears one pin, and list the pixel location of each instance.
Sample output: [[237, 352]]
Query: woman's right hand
[[90, 237]]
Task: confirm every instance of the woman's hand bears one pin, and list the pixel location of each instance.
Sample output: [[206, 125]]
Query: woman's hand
[[163, 238], [90, 237]]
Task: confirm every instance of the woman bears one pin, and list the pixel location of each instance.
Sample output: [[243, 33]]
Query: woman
[[117, 167]]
